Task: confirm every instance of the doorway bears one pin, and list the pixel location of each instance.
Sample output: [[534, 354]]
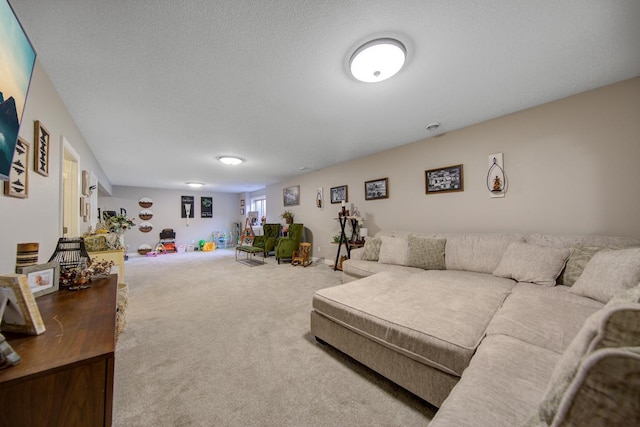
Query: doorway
[[70, 190]]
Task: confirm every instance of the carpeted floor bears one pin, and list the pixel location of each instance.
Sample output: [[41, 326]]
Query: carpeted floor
[[212, 342]]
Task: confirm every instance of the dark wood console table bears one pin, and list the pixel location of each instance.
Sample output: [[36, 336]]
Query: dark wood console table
[[65, 377]]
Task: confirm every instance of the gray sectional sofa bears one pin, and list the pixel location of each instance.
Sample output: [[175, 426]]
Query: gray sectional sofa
[[495, 329]]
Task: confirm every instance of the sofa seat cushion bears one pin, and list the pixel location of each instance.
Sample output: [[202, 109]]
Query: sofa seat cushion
[[359, 268], [501, 387], [435, 317], [542, 316]]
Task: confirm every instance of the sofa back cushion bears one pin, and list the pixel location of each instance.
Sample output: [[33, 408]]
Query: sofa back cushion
[[479, 252], [567, 241]]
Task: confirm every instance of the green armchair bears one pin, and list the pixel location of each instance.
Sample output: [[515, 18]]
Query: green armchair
[[285, 246], [267, 242]]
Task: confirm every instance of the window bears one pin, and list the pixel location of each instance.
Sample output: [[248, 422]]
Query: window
[[259, 204]]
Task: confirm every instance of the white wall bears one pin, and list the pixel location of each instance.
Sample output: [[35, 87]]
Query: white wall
[[167, 214], [38, 217], [573, 168]]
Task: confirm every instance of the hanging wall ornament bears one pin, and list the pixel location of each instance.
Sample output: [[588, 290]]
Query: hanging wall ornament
[[496, 177]]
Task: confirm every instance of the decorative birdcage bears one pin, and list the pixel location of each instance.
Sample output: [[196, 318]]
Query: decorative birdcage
[[70, 253]]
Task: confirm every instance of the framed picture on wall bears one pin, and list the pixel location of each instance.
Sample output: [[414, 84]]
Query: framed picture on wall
[[41, 153], [444, 180], [18, 183], [376, 189], [340, 194], [291, 196]]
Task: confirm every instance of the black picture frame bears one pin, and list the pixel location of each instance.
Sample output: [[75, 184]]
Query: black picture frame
[[376, 189], [444, 180], [339, 194], [206, 207]]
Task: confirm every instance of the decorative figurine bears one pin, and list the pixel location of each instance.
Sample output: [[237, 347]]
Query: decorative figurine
[[497, 184]]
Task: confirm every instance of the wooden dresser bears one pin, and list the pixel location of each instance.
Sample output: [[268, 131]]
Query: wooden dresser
[[65, 377]]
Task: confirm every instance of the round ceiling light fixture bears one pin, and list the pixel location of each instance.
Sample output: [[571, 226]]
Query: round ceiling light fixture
[[195, 184], [432, 127], [231, 160], [377, 60]]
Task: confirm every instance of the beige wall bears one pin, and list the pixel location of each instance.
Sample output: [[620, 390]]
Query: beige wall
[[573, 167], [167, 214], [38, 217]]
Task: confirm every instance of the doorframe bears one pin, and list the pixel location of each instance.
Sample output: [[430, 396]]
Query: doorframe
[[75, 201]]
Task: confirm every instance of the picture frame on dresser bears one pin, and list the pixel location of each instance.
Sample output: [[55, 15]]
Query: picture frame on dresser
[[41, 152], [43, 279], [21, 313]]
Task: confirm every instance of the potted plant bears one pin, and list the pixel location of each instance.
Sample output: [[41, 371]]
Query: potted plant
[[287, 216]]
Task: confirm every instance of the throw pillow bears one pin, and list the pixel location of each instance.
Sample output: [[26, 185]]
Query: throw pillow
[[394, 250], [525, 262], [371, 249], [426, 252], [608, 273], [609, 327], [578, 259]]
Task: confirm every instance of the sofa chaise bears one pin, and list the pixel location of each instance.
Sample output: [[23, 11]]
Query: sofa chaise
[[495, 329]]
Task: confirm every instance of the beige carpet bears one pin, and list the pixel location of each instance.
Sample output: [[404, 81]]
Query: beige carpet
[[212, 342]]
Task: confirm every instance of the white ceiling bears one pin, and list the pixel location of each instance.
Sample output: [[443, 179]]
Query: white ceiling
[[160, 88]]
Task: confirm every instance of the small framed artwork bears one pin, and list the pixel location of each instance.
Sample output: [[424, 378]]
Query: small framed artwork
[[241, 211], [18, 183], [376, 189], [444, 180], [340, 194], [41, 153], [291, 195], [21, 313], [241, 202], [43, 279], [206, 207]]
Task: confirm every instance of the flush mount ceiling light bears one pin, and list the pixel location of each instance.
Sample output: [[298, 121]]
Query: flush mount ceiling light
[[231, 160], [377, 60], [195, 184], [432, 127]]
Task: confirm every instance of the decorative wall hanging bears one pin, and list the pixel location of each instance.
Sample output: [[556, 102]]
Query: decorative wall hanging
[[86, 184], [444, 180], [16, 62], [340, 194], [41, 153], [18, 184], [291, 195], [319, 198], [376, 189], [187, 207], [145, 227], [241, 211], [206, 207], [241, 202], [145, 202], [496, 178], [145, 214]]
